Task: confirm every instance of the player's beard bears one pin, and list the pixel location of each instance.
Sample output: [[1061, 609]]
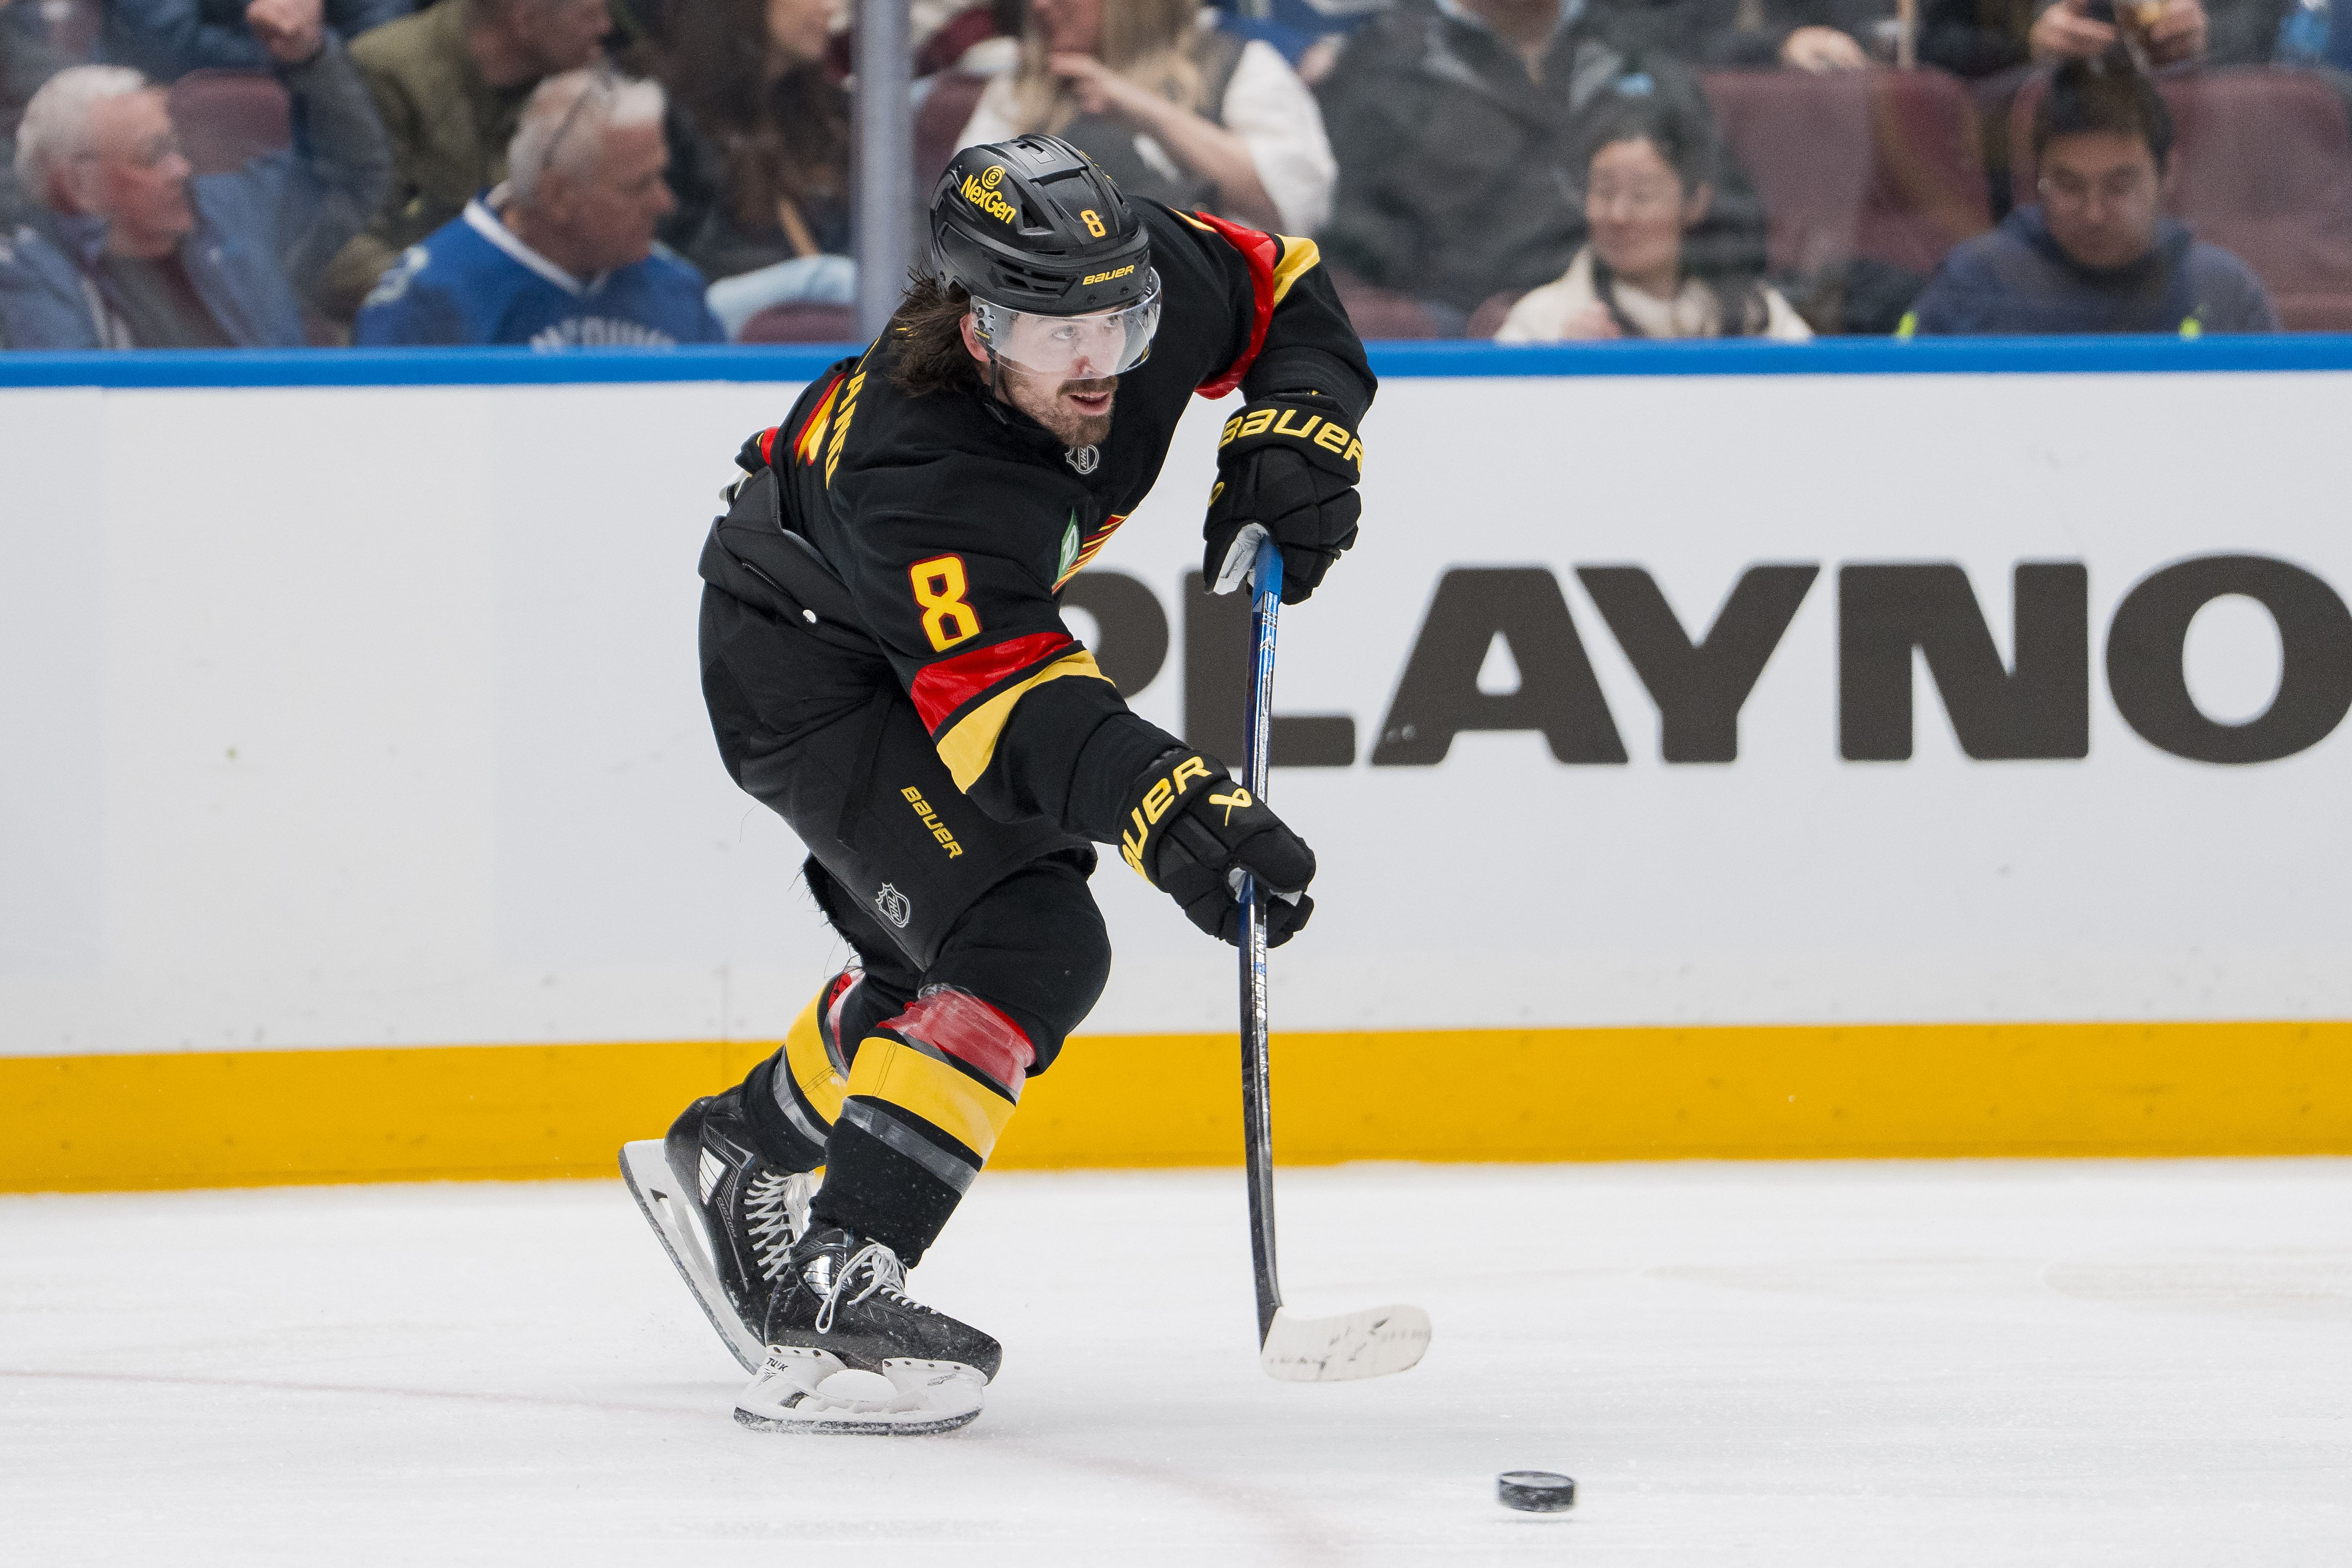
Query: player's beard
[[1047, 403], [1081, 429]]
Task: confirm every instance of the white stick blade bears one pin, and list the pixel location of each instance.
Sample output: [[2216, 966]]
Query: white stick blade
[[1337, 1350]]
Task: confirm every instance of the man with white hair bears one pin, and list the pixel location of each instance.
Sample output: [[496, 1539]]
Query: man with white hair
[[127, 247], [562, 254]]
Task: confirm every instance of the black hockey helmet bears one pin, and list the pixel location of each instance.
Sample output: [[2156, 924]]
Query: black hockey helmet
[[1035, 224]]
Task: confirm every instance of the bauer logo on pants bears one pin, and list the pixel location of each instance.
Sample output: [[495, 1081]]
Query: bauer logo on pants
[[893, 906]]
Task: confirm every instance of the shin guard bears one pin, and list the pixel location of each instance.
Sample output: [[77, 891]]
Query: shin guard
[[928, 1095]]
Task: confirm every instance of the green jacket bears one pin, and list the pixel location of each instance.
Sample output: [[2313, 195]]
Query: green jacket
[[449, 131]]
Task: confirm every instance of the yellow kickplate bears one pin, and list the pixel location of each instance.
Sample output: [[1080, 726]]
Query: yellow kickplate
[[254, 1118]]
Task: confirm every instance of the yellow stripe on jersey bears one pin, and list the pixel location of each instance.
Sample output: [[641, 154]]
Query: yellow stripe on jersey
[[1298, 257], [970, 743], [811, 1064], [811, 444], [954, 1102]]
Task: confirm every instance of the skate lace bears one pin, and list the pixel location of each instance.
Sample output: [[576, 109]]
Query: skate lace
[[769, 1213], [885, 1276]]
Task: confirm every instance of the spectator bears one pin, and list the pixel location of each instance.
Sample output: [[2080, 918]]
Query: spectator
[[1651, 269], [26, 60], [1458, 123], [562, 254], [1816, 36], [449, 84], [1979, 39], [764, 139], [130, 251], [169, 38], [1171, 106], [2098, 255]]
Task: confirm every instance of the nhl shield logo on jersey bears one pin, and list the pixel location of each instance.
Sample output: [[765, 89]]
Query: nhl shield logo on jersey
[[1085, 459], [893, 906]]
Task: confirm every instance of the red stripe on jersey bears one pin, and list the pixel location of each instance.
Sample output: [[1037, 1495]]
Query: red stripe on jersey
[[1261, 251], [940, 689], [768, 445]]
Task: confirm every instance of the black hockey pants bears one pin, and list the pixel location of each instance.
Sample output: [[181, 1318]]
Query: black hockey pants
[[980, 944]]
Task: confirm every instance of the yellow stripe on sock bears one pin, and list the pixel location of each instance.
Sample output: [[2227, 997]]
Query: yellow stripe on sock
[[949, 1101], [811, 1064]]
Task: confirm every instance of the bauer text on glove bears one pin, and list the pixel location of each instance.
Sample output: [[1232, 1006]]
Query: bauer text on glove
[[1285, 463], [1190, 829]]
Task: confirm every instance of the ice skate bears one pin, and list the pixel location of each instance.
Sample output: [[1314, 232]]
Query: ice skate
[[727, 1216], [850, 1351]]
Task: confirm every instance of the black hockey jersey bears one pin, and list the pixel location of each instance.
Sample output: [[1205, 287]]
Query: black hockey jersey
[[955, 520]]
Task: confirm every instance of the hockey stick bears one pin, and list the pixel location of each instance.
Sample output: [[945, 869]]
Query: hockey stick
[[1295, 1350]]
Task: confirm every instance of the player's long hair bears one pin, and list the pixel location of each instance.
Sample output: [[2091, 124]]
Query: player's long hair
[[1717, 253], [926, 333], [1149, 42]]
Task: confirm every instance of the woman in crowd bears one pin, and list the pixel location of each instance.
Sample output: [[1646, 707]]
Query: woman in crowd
[[761, 154], [1653, 268], [1171, 106]]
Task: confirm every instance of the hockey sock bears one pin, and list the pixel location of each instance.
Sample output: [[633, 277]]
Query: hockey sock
[[929, 1093], [793, 1097]]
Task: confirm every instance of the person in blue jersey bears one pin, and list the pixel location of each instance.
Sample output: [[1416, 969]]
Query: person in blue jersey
[[562, 254]]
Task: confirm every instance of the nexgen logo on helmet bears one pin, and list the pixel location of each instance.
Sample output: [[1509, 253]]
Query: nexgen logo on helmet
[[1056, 263], [981, 192]]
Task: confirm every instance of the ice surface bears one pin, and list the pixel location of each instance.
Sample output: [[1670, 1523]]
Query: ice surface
[[1990, 1364]]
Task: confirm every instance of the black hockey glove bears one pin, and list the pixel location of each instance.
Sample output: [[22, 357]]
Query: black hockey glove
[[1192, 830], [1283, 464]]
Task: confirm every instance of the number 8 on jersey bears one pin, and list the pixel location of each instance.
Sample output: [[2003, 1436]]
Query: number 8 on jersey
[[939, 589]]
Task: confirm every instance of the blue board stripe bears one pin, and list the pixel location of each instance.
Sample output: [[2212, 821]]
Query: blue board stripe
[[1835, 356]]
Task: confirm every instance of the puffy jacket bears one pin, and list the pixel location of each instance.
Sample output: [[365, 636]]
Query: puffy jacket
[[2016, 279], [263, 233], [1456, 176]]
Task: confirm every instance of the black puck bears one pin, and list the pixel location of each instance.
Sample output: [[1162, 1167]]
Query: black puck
[[1535, 1492]]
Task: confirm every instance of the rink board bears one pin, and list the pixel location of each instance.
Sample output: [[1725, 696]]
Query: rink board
[[204, 1119], [373, 773]]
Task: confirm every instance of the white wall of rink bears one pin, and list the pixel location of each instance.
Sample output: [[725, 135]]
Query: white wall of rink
[[368, 716]]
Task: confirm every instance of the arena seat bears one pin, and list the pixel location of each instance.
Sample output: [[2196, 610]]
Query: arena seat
[[802, 324], [226, 118], [1487, 319], [1880, 164], [2262, 166], [1377, 312]]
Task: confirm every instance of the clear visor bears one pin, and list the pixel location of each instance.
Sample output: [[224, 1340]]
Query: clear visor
[[1079, 347]]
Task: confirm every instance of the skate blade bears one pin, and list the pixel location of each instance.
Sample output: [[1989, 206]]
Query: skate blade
[[1371, 1343], [788, 1395], [669, 1206]]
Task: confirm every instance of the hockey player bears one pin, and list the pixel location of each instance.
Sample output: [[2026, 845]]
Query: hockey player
[[886, 668]]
